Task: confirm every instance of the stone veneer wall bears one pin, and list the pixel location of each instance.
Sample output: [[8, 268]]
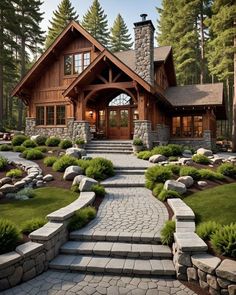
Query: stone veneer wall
[[163, 134], [143, 130], [72, 130]]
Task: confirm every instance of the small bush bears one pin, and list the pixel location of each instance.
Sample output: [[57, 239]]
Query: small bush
[[29, 192], [16, 173], [190, 171], [31, 225], [63, 162], [227, 169], [49, 161], [206, 229], [5, 148], [224, 240], [18, 140], [145, 155], [81, 218], [28, 143], [65, 144], [201, 159], [9, 236], [41, 140], [32, 154], [100, 169], [157, 189], [19, 149], [80, 141], [84, 164], [53, 141], [137, 141], [3, 163], [174, 168], [99, 190], [75, 188], [176, 149], [42, 149], [211, 175], [166, 194], [167, 233], [173, 159], [157, 174], [162, 150]]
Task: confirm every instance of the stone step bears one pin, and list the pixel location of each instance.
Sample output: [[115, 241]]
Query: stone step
[[116, 249], [101, 151], [97, 264], [132, 172], [125, 180], [120, 142], [109, 146], [95, 235]]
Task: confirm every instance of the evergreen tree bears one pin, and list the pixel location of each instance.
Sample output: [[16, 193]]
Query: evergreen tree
[[120, 38], [96, 23], [61, 17]]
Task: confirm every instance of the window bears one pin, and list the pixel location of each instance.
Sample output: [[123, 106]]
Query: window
[[76, 63], [51, 115], [187, 126], [121, 100], [39, 115]]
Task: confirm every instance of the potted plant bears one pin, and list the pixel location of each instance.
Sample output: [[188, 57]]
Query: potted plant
[[80, 143], [137, 145]]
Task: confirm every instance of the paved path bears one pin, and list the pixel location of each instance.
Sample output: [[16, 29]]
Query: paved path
[[14, 157]]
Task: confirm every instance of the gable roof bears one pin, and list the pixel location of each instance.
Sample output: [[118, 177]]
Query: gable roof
[[195, 95]]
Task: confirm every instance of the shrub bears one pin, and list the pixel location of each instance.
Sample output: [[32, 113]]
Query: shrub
[[65, 144], [28, 143], [84, 164], [145, 155], [81, 218], [80, 141], [99, 190], [63, 162], [41, 140], [190, 171], [32, 154], [166, 194], [18, 140], [31, 225], [5, 147], [29, 192], [16, 173], [42, 149], [137, 141], [227, 169], [201, 159], [53, 141], [206, 229], [9, 236], [162, 150], [173, 159], [49, 161], [224, 240], [100, 169], [176, 149], [3, 163], [167, 233], [157, 189], [157, 174], [19, 149], [174, 168], [211, 175], [75, 188]]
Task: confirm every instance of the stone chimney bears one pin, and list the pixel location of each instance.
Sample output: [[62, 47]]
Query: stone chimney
[[144, 49]]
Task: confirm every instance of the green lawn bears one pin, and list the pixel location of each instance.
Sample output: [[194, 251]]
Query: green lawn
[[218, 204], [47, 200]]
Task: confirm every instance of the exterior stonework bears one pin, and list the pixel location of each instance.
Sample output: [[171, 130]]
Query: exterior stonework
[[143, 130]]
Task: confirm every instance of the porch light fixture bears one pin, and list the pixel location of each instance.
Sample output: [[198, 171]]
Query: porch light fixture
[[91, 114], [136, 115]]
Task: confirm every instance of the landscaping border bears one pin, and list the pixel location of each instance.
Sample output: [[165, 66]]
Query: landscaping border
[[190, 259]]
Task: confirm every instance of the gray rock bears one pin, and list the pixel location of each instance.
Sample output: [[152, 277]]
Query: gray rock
[[39, 183], [212, 282], [187, 180], [76, 152], [202, 275], [39, 177], [34, 137], [227, 270], [204, 152], [86, 184], [203, 285], [8, 188], [71, 172], [19, 184], [175, 186], [187, 154], [15, 278], [157, 158], [48, 177], [29, 274], [192, 274], [223, 283], [86, 158], [5, 180], [185, 161], [232, 289], [206, 262], [4, 284], [202, 183], [217, 161], [78, 179]]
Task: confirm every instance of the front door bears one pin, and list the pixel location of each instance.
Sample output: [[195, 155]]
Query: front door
[[119, 123]]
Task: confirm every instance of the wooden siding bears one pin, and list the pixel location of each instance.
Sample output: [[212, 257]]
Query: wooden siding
[[161, 76]]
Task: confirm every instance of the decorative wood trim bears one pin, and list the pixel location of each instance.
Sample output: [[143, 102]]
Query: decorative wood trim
[[121, 85]]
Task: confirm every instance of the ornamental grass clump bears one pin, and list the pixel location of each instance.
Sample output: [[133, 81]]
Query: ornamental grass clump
[[9, 236], [190, 171], [19, 149], [81, 218], [31, 225], [65, 144], [168, 194], [206, 229], [53, 141], [211, 175], [100, 169], [144, 155], [167, 233], [40, 140], [174, 168], [49, 161], [32, 154], [162, 150], [201, 159], [157, 189], [99, 190], [227, 169], [6, 148], [63, 162], [157, 174], [14, 173], [3, 163], [28, 143], [18, 140]]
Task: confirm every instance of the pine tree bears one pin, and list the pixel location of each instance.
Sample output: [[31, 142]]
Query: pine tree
[[61, 17], [120, 38], [96, 23]]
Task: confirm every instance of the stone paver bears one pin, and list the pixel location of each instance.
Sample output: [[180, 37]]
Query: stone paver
[[52, 282]]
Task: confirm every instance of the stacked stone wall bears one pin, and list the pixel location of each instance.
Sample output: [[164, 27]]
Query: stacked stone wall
[[143, 130]]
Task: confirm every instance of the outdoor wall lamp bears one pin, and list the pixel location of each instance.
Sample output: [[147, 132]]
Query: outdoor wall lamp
[[91, 114], [136, 115]]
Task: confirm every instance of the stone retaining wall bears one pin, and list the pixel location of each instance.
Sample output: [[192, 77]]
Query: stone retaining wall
[[191, 261]]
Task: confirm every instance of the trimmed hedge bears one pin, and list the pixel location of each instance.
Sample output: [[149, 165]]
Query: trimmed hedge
[[32, 154], [40, 140], [100, 169], [19, 149], [29, 143], [53, 141], [65, 144], [5, 147], [144, 155], [18, 140]]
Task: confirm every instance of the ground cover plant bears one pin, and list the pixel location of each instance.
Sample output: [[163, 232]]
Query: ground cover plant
[[63, 162], [3, 163], [53, 141], [14, 173], [32, 154], [167, 233], [227, 169], [81, 218], [6, 147], [157, 174], [201, 159], [33, 224]]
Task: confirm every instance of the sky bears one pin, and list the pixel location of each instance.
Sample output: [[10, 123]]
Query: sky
[[129, 9]]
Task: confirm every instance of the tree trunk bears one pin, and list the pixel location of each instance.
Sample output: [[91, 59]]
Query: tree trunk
[[202, 62], [1, 70], [234, 101]]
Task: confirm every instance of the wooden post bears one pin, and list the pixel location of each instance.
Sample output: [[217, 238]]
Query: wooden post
[[80, 112], [234, 100], [142, 107]]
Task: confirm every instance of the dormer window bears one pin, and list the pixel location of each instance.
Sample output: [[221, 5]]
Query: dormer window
[[76, 63]]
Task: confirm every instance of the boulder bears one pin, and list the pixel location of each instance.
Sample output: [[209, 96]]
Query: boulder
[[19, 184], [205, 152], [5, 180], [39, 177], [86, 158], [39, 183], [34, 137], [76, 152], [48, 177], [187, 154], [217, 160], [186, 161], [86, 184], [7, 188], [78, 179], [157, 158], [187, 180], [202, 183], [71, 172], [174, 185]]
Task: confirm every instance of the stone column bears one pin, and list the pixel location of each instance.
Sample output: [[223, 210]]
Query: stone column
[[143, 130], [81, 129], [30, 124], [163, 133], [207, 139], [70, 127]]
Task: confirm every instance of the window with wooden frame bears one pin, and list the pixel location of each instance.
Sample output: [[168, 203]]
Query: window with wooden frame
[[187, 126], [39, 115], [76, 63], [51, 115], [60, 115]]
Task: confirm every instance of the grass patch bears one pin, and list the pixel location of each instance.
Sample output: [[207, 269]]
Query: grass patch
[[45, 201], [214, 204]]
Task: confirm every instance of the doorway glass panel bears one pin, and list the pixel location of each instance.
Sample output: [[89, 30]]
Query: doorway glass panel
[[124, 118], [113, 119]]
